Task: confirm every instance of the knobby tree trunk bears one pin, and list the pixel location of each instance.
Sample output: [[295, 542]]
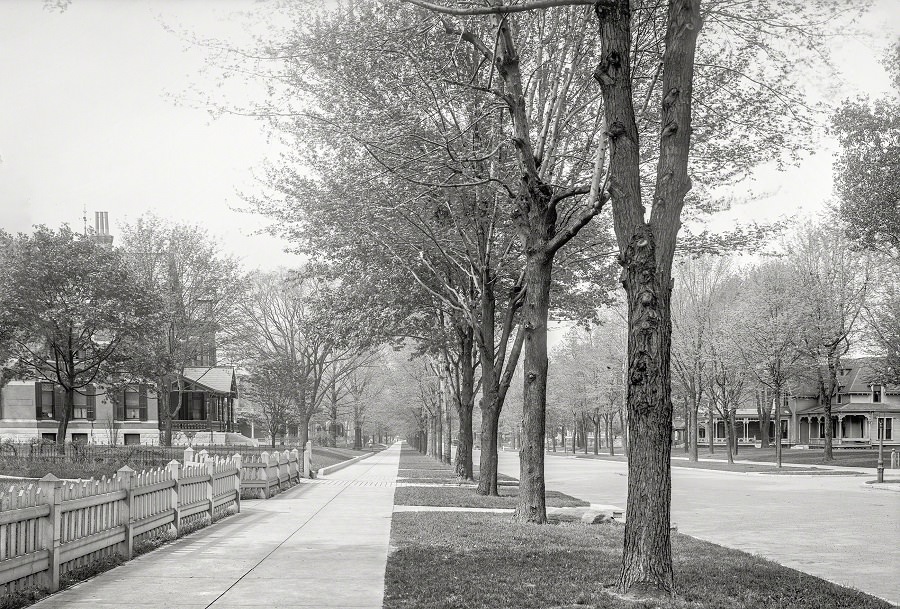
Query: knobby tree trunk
[[646, 251], [732, 420], [765, 417], [648, 554], [694, 417], [68, 409], [487, 476], [532, 505], [729, 437]]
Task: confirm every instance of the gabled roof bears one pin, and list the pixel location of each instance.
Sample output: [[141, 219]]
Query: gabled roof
[[218, 379]]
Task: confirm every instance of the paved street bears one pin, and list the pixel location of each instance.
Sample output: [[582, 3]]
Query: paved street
[[829, 526], [321, 544]]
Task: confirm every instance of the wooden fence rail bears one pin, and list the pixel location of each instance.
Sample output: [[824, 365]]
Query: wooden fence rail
[[55, 526]]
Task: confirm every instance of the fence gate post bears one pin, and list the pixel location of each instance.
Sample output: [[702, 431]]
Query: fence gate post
[[295, 466], [174, 468], [124, 474], [264, 471], [188, 455], [307, 454], [236, 459], [210, 491], [51, 528]]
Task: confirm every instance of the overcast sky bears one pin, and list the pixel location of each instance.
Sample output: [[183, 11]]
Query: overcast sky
[[87, 120]]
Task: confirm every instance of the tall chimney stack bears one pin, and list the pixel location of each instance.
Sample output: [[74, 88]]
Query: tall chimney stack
[[101, 228]]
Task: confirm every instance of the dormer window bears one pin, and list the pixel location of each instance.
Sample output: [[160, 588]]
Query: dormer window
[[876, 394], [840, 399]]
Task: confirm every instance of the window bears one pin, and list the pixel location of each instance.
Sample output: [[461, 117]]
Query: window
[[132, 405], [876, 393], [840, 398], [48, 437], [48, 397], [80, 406], [81, 438], [885, 428], [132, 439]]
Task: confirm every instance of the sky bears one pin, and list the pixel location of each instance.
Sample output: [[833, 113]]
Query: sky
[[96, 113]]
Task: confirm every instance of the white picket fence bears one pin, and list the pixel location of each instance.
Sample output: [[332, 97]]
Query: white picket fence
[[269, 473], [52, 527]]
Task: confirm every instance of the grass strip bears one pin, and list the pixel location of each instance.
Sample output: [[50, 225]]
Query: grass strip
[[487, 561], [466, 497]]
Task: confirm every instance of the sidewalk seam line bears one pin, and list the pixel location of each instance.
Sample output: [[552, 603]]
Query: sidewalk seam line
[[283, 541]]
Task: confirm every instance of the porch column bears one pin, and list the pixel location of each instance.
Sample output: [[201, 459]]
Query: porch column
[[840, 424], [746, 430], [867, 428]]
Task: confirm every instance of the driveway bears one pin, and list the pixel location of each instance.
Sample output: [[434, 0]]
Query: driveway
[[834, 527]]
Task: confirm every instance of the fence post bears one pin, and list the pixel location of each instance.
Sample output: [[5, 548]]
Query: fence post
[[51, 530], [264, 471], [174, 468], [124, 475], [295, 460], [236, 459], [188, 455], [210, 491], [203, 455], [307, 455]]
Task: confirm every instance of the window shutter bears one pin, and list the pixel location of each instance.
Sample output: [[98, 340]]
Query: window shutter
[[91, 402], [120, 405], [37, 401], [142, 402]]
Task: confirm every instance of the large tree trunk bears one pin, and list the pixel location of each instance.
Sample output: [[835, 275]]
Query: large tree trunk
[[531, 505], [778, 427], [729, 436], [487, 474], [62, 427], [732, 420], [303, 430], [464, 407], [597, 436], [765, 417], [357, 437], [694, 422], [563, 438], [711, 430], [647, 555]]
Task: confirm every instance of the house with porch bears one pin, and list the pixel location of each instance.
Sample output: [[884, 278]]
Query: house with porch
[[860, 408], [207, 413], [129, 414]]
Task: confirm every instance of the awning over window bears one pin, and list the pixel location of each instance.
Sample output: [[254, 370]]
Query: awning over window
[[218, 379]]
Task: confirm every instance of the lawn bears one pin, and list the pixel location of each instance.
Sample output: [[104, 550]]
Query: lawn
[[466, 497], [766, 460], [323, 456], [456, 560], [486, 561]]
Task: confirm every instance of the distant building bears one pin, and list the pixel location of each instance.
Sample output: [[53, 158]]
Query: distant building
[[860, 408], [129, 414]]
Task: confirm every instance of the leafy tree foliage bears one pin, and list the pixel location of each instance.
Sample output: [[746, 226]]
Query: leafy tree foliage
[[69, 307], [198, 285], [867, 167]]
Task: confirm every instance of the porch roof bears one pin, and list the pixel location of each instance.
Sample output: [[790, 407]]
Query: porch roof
[[855, 408], [218, 379]]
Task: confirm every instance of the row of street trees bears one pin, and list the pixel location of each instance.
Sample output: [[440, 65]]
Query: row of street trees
[[769, 330], [451, 158]]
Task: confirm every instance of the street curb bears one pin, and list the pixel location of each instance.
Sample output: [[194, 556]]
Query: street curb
[[891, 487], [324, 471]]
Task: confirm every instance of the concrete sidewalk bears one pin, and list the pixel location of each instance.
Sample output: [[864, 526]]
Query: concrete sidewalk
[[323, 543]]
